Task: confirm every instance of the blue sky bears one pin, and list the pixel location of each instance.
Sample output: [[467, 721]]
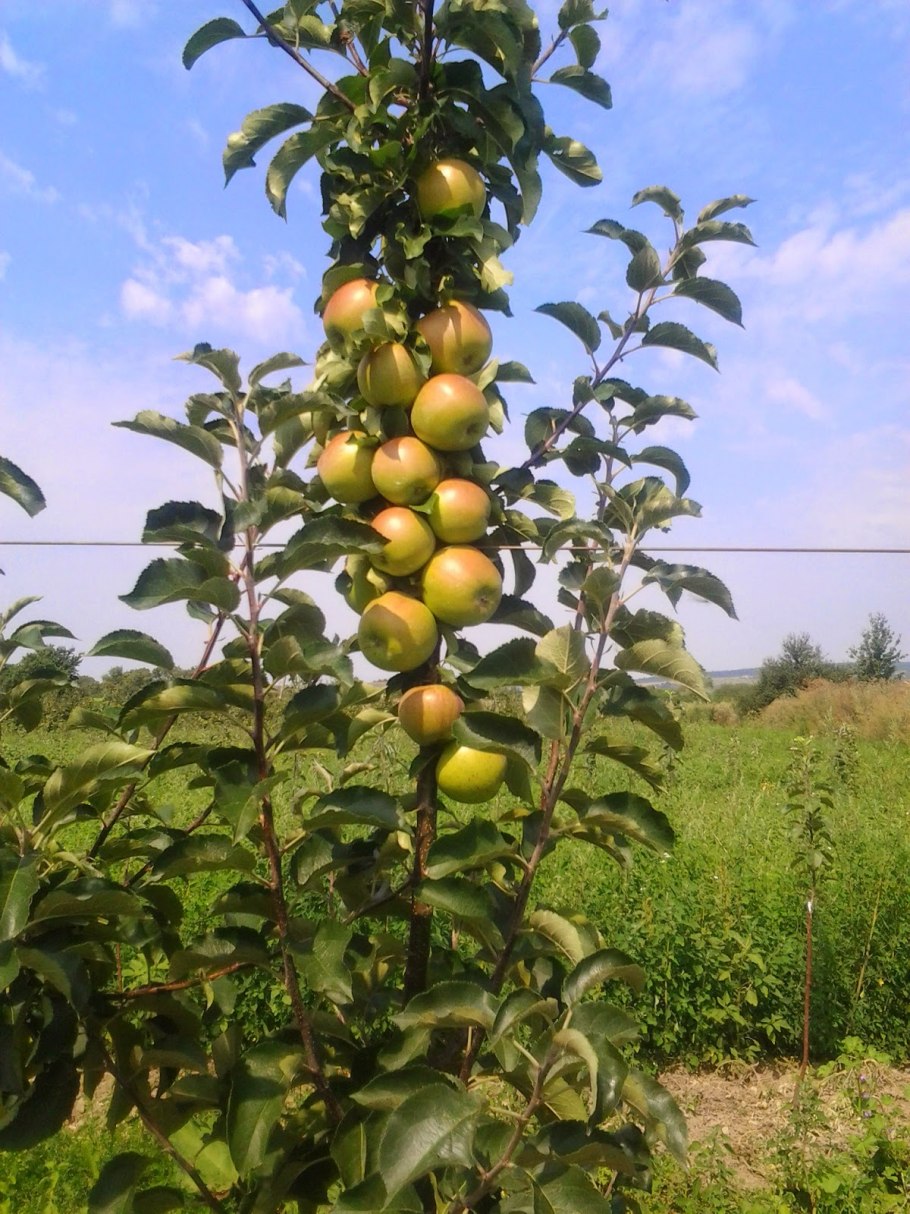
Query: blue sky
[[119, 248]]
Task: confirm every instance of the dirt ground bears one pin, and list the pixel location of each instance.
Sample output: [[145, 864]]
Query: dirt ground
[[742, 1110]]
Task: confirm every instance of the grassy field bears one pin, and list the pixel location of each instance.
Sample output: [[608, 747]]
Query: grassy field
[[718, 928]]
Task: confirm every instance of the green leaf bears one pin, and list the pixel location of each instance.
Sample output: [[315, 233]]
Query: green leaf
[[623, 813], [222, 29], [115, 1188], [665, 198], [356, 804], [573, 159], [45, 1109], [511, 665], [277, 362], [432, 1129], [664, 457], [188, 696], [322, 965], [105, 762], [665, 661], [170, 580], [451, 1004], [577, 319], [713, 209], [545, 711], [290, 159], [677, 337], [606, 965], [634, 241], [554, 499], [653, 408], [563, 652], [586, 42], [560, 931], [649, 708], [716, 229], [714, 295], [18, 885], [195, 439], [659, 1110], [516, 613], [494, 731], [184, 523], [572, 12], [387, 1092], [259, 1086], [644, 269], [674, 579], [224, 365], [636, 758], [588, 84], [459, 898], [135, 646], [202, 854], [255, 132], [512, 372], [20, 487], [475, 846]]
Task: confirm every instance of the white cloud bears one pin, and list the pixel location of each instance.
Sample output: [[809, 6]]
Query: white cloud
[[128, 14], [791, 393], [200, 285], [18, 180], [14, 65]]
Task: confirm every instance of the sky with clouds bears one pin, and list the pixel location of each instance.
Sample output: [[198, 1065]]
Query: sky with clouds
[[119, 248]]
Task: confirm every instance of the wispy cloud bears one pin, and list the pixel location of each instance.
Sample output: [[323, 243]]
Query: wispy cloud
[[201, 285], [12, 63], [18, 180]]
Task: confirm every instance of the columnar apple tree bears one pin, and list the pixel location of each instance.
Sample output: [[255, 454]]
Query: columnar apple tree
[[376, 1011]]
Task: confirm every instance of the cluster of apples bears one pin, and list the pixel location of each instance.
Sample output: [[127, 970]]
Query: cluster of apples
[[429, 571]]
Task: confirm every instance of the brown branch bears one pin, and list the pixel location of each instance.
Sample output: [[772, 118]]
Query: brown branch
[[554, 45], [184, 984], [276, 40], [427, 53], [415, 977]]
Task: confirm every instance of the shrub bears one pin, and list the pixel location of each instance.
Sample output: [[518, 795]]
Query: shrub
[[875, 711]]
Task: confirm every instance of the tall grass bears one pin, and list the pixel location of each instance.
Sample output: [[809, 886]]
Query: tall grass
[[876, 711]]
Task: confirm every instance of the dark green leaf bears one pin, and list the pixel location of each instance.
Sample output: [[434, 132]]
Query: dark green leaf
[[433, 1128], [290, 159], [512, 664], [572, 12], [460, 898], [258, 1089], [606, 965], [587, 45], [115, 1188], [494, 731], [665, 198], [713, 209], [20, 487], [111, 761], [665, 661], [573, 159], [588, 84], [224, 365], [659, 1109], [255, 132], [135, 646], [714, 295], [202, 854], [18, 885], [277, 362], [644, 269], [517, 613], [451, 1004], [577, 319], [195, 439], [513, 373], [45, 1109], [634, 241], [677, 337], [624, 813], [474, 846], [664, 457], [649, 708], [322, 965], [222, 29], [636, 758], [170, 580], [184, 523], [716, 229], [674, 579], [564, 657], [356, 804]]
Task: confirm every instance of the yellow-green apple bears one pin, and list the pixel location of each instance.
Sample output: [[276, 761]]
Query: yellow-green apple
[[427, 713], [345, 468], [450, 188], [461, 586], [405, 471], [458, 336], [343, 314], [450, 413], [410, 541], [397, 632], [366, 583], [459, 510], [388, 375], [469, 775]]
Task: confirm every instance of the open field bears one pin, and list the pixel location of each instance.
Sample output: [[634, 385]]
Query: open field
[[719, 930]]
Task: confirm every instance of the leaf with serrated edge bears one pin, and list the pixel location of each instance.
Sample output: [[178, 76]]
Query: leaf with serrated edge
[[603, 966], [133, 645], [433, 1128], [674, 336], [19, 486], [666, 662], [714, 295], [577, 319]]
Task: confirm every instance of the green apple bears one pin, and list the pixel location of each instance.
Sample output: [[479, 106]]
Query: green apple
[[397, 632], [427, 713], [343, 314], [459, 338], [468, 775], [405, 471], [461, 586], [387, 375], [459, 510], [411, 541], [345, 468], [450, 188], [450, 413]]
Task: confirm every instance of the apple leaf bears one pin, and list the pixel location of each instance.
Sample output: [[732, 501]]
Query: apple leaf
[[577, 319], [20, 487]]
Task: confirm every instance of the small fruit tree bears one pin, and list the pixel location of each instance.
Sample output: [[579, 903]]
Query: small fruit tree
[[375, 1011]]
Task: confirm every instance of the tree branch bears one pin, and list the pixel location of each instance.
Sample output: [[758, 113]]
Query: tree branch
[[277, 40]]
